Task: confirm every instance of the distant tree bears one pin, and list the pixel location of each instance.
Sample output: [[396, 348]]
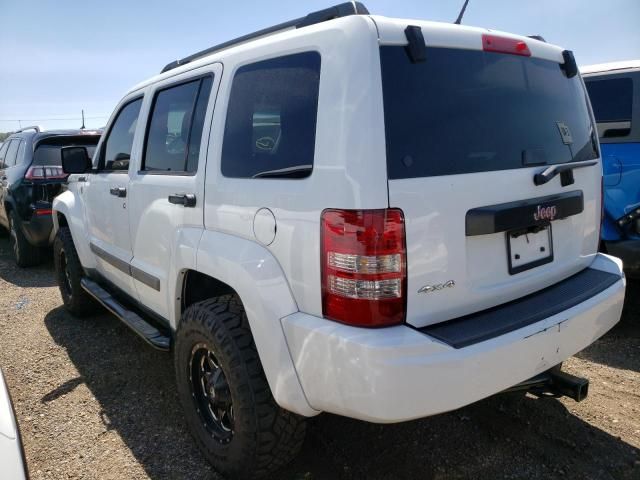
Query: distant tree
[[4, 135]]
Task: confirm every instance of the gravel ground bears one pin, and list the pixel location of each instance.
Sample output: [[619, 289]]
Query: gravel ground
[[94, 402]]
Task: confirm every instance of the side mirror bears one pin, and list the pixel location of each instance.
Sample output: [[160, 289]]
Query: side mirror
[[75, 160]]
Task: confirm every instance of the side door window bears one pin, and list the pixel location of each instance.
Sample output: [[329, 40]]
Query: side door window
[[175, 128], [116, 150], [612, 101], [12, 153], [3, 153]]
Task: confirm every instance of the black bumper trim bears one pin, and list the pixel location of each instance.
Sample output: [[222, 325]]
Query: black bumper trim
[[493, 322]]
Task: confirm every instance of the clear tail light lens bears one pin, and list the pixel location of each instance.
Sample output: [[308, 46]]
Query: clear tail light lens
[[364, 267]]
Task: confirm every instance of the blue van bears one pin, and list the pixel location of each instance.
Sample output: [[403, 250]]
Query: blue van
[[614, 89]]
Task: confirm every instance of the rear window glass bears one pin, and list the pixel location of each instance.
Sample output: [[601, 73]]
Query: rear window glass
[[466, 111], [611, 99], [48, 155], [271, 119]]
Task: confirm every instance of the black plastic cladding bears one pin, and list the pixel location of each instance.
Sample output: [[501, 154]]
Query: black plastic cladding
[[416, 48], [570, 67]]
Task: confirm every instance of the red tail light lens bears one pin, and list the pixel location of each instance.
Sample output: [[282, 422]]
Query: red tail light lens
[[494, 43], [43, 212], [364, 267], [45, 173]]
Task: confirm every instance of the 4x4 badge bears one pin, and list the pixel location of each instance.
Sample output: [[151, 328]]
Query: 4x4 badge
[[438, 286]]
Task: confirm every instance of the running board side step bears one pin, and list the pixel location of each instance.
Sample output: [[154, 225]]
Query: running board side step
[[135, 322]]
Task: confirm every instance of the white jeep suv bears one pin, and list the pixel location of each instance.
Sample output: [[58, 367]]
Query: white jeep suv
[[379, 218]]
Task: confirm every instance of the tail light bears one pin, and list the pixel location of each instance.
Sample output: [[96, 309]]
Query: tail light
[[45, 173], [40, 212], [364, 277], [494, 43]]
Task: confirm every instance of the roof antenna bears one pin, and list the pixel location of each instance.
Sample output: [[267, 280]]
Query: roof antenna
[[459, 19], [82, 127]]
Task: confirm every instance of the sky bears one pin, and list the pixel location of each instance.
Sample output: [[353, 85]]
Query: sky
[[62, 56]]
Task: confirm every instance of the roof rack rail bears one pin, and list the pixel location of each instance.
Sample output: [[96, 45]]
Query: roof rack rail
[[32, 127], [337, 11]]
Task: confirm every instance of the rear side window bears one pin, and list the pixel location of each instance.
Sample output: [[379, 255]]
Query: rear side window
[[117, 148], [612, 102], [270, 129], [175, 127], [466, 111]]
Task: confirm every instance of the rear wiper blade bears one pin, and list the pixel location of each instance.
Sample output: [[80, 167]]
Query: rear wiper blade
[[547, 174]]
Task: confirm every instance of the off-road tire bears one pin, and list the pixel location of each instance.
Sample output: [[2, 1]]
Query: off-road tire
[[75, 299], [264, 437], [24, 254]]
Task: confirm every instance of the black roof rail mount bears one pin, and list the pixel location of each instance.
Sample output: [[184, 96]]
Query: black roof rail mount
[[570, 67], [416, 48], [337, 11]]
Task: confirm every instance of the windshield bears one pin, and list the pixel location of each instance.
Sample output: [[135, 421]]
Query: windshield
[[466, 111]]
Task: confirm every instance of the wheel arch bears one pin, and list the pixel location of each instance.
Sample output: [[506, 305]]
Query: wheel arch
[[68, 212], [229, 264], [9, 204]]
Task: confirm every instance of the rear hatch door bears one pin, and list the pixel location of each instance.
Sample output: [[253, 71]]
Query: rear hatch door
[[467, 131]]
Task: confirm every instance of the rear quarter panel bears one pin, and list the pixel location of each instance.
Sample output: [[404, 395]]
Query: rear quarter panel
[[349, 165]]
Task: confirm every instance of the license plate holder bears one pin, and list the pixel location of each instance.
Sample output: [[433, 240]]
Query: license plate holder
[[529, 248]]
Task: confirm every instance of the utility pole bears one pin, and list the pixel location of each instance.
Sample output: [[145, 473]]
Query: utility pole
[[82, 127]]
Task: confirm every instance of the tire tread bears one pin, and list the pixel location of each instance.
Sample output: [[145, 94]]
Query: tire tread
[[277, 434]]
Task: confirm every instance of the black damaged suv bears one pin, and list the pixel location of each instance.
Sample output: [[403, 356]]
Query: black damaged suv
[[30, 177]]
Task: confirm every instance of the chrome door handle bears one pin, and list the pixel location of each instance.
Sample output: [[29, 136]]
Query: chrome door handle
[[184, 199], [118, 191]]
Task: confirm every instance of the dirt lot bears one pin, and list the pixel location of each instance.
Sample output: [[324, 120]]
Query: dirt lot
[[94, 402]]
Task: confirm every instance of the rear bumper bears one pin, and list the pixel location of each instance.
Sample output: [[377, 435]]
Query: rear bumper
[[398, 373], [629, 252]]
